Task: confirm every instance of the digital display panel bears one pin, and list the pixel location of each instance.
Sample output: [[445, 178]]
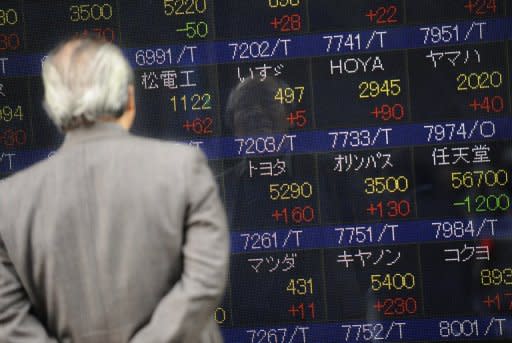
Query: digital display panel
[[362, 149]]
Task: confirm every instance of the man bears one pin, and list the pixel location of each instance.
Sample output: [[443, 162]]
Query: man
[[115, 238]]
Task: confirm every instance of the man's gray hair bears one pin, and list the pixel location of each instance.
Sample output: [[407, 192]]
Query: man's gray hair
[[85, 79]]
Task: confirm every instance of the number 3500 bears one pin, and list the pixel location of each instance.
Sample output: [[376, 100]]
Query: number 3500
[[87, 12], [390, 184]]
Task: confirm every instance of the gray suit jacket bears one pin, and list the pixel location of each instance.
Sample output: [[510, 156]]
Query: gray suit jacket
[[113, 239]]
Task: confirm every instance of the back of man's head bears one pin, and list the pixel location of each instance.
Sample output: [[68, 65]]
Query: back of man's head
[[85, 80]]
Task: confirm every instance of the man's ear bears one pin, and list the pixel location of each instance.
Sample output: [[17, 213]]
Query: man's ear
[[128, 116]]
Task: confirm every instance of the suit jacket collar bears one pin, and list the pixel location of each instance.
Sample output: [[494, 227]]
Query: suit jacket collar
[[98, 131]]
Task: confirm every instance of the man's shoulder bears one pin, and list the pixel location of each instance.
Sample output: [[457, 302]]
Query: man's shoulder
[[23, 178], [142, 156], [158, 146], [19, 187], [140, 150]]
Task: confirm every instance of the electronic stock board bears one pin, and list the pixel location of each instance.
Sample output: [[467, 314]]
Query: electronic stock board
[[361, 148]]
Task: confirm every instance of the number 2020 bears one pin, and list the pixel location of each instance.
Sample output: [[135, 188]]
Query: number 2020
[[483, 80]]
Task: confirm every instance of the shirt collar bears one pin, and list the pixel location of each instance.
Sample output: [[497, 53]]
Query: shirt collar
[[98, 131]]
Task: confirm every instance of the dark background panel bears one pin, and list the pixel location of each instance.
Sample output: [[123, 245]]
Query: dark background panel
[[264, 295], [12, 22], [434, 191], [260, 291], [184, 108], [342, 185], [16, 132], [349, 288], [48, 25], [254, 97], [427, 11], [434, 90], [262, 17], [223, 313], [145, 23], [332, 15], [340, 96], [47, 135], [456, 288], [248, 198]]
